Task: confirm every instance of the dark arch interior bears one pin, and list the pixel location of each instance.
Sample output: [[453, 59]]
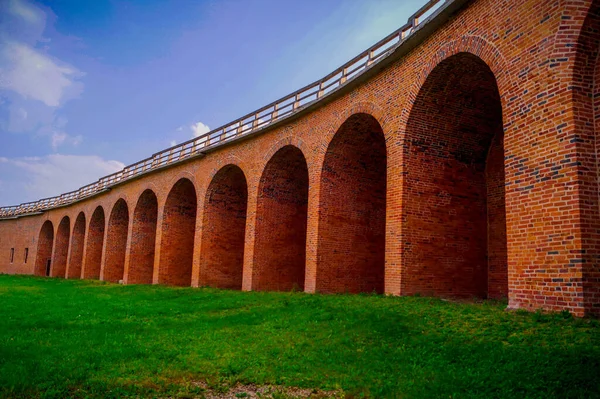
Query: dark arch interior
[[454, 208], [44, 249], [76, 257], [61, 248], [280, 240], [94, 244], [351, 247], [116, 242], [178, 229], [141, 256], [586, 99], [223, 229]]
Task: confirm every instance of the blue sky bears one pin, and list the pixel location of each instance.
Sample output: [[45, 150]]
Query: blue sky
[[89, 86]]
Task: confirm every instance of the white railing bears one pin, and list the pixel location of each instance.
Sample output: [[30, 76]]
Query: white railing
[[245, 125]]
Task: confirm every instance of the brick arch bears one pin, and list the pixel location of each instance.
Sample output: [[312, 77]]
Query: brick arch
[[116, 242], [94, 244], [44, 249], [352, 208], [454, 230], [585, 97], [220, 162], [290, 140], [475, 45], [149, 186], [173, 181], [143, 239], [329, 131], [574, 17], [224, 228], [61, 248], [281, 222], [178, 230], [77, 243]]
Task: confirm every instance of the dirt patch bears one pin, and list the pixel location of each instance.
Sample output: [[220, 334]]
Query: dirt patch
[[252, 391]]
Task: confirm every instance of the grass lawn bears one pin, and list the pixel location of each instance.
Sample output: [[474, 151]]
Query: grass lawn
[[72, 338]]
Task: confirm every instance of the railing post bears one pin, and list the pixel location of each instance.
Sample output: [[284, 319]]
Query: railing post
[[296, 101], [370, 59], [321, 91], [255, 121], [344, 76], [275, 112]]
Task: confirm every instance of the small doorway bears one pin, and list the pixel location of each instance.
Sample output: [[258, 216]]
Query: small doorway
[[48, 268]]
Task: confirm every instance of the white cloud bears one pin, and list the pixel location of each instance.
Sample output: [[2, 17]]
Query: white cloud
[[34, 84], [28, 12], [60, 138], [32, 178], [35, 75], [198, 129]]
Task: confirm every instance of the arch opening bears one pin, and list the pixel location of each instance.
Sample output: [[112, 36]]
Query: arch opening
[[178, 229], [143, 238], [44, 249], [94, 245], [223, 229], [61, 248], [454, 195], [281, 219], [76, 257], [586, 107], [116, 242], [351, 242]]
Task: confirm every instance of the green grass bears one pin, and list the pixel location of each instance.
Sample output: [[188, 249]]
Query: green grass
[[90, 339]]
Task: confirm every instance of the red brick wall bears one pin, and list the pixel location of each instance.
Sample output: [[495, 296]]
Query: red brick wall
[[116, 243], [405, 174], [177, 241], [77, 244], [44, 249], [223, 231], [497, 258], [456, 115], [61, 249], [94, 245], [281, 215], [351, 252], [143, 239]]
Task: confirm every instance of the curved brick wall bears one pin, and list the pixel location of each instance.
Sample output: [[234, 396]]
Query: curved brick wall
[[465, 167]]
